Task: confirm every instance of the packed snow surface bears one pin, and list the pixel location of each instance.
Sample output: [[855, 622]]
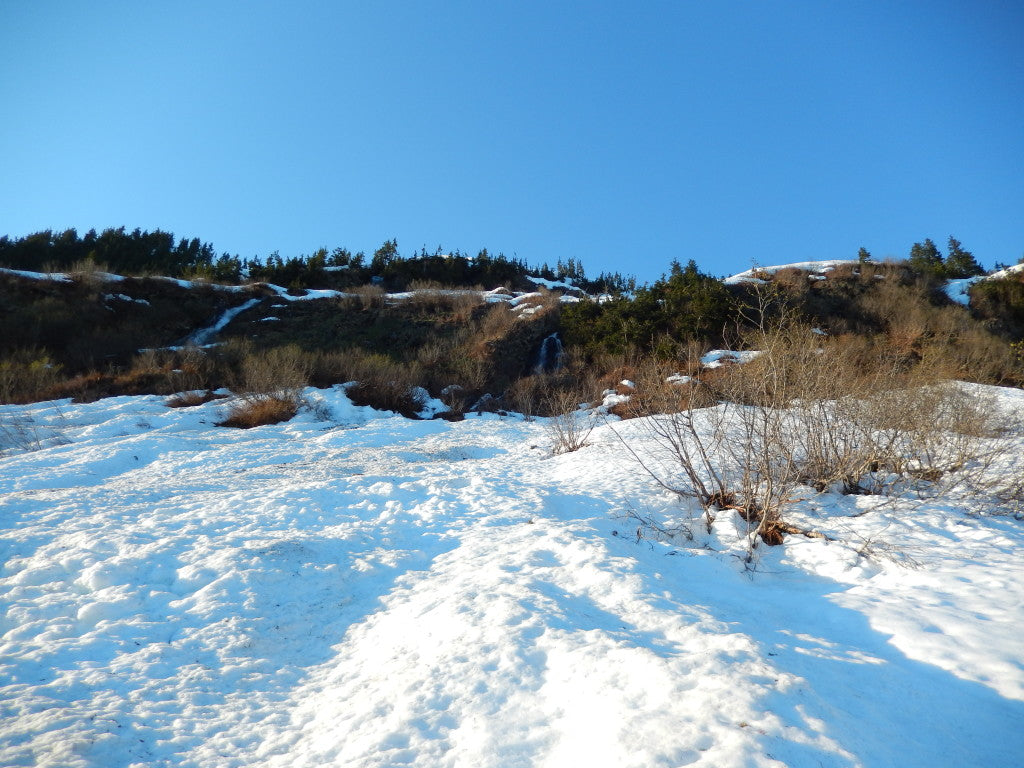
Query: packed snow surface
[[357, 589]]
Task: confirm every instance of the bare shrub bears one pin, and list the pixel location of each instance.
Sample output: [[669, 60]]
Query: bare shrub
[[18, 432], [496, 322], [812, 411], [941, 436], [430, 296], [1009, 496], [248, 412], [443, 361], [27, 375], [269, 388], [572, 423], [565, 397], [527, 394], [193, 369], [388, 396], [737, 447], [464, 304], [88, 273], [427, 295], [370, 296], [792, 279], [191, 399], [278, 372], [375, 380]]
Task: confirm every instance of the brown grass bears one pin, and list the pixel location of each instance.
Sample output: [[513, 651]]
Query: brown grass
[[191, 399], [387, 396], [257, 412], [431, 297], [370, 296]]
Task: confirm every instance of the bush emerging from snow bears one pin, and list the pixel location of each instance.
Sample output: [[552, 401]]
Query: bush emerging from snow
[[249, 412]]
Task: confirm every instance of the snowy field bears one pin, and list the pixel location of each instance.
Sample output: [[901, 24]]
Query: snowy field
[[357, 589]]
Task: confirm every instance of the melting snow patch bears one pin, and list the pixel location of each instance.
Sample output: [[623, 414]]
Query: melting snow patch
[[717, 357], [57, 277], [205, 335], [959, 290], [122, 297]]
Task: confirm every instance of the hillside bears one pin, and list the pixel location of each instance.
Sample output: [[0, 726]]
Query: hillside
[[90, 333], [753, 521]]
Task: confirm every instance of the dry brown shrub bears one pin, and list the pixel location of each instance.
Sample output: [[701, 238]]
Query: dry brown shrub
[[194, 369], [845, 272], [369, 296], [889, 300], [27, 376], [280, 372], [269, 386], [88, 272], [792, 279], [810, 411], [431, 296], [388, 396], [247, 413], [570, 424], [526, 395], [658, 388], [463, 304], [375, 380], [496, 322], [191, 399]]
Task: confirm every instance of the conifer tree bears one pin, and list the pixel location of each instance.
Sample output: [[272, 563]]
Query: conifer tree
[[926, 258], [961, 263]]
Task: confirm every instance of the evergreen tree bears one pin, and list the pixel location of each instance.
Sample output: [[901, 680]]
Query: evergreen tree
[[926, 258], [961, 263], [384, 256]]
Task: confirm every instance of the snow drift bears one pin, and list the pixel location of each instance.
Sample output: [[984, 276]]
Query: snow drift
[[365, 590]]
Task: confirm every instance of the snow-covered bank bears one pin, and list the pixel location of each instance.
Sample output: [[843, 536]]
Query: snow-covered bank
[[815, 267], [371, 591]]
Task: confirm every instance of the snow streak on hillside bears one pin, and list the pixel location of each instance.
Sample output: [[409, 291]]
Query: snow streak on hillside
[[364, 590]]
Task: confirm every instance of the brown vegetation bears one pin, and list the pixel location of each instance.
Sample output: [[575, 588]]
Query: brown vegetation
[[247, 413]]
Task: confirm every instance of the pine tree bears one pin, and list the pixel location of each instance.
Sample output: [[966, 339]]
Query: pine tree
[[384, 255], [961, 263], [926, 258]]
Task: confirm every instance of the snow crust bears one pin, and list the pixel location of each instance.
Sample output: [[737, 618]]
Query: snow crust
[[353, 588], [1011, 270], [716, 358], [958, 290]]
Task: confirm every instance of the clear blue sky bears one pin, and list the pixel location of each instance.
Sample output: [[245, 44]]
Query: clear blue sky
[[623, 135]]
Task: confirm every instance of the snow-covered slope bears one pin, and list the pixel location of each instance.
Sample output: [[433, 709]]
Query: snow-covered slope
[[817, 267], [356, 589]]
